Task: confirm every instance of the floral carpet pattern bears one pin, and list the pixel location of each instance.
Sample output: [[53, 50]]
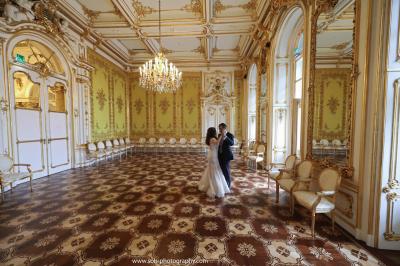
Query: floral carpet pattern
[[149, 207]]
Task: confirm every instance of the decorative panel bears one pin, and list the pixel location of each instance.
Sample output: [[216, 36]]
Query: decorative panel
[[165, 114], [331, 87], [120, 104], [238, 93], [139, 112], [190, 105], [107, 99]]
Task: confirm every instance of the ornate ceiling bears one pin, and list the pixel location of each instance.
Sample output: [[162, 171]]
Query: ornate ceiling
[[194, 32]]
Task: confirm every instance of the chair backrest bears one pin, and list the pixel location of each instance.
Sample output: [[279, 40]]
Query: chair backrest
[[251, 144], [314, 142], [92, 147], [290, 162], [235, 141], [142, 140], [324, 142], [127, 141], [182, 141], [108, 144], [260, 148], [329, 179], [193, 141], [115, 142], [100, 145], [161, 141], [121, 141], [304, 169], [336, 142], [345, 142], [6, 163], [172, 141], [152, 140]]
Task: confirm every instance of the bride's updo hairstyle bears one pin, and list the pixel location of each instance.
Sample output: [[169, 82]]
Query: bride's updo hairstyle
[[211, 133]]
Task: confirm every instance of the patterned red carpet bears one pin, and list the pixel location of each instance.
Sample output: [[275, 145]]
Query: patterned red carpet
[[148, 207]]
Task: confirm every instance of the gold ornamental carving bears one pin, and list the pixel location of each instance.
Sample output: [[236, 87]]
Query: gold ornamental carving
[[195, 6], [346, 168], [142, 10]]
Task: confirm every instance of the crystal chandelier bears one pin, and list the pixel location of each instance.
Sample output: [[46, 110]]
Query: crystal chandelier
[[156, 74]]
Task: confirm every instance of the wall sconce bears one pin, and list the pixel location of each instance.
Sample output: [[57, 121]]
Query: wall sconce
[[3, 105]]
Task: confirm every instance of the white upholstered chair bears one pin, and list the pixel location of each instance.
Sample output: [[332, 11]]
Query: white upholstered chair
[[117, 149], [183, 144], [302, 172], [276, 169], [253, 160], [141, 144], [236, 146], [161, 144], [102, 148], [123, 147], [171, 144], [151, 145], [8, 176], [322, 201], [110, 148], [93, 154], [129, 145], [194, 145], [249, 150]]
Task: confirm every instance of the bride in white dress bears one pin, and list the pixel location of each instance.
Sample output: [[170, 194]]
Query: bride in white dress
[[213, 181]]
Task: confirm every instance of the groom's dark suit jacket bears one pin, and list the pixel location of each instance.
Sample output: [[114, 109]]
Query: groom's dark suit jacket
[[226, 153]]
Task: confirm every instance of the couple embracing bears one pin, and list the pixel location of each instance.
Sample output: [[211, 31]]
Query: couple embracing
[[216, 179]]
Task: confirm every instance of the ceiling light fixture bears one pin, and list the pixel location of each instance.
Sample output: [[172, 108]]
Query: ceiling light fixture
[[157, 75]]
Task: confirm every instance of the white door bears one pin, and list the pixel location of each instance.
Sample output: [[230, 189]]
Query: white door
[[40, 132], [57, 126], [216, 114]]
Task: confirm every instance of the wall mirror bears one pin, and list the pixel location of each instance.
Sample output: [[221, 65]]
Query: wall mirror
[[332, 84]]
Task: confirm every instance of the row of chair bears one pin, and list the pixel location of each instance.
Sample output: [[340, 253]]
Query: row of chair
[[296, 180], [172, 145], [108, 149]]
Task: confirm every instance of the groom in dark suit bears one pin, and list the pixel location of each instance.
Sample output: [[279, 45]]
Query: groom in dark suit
[[225, 155]]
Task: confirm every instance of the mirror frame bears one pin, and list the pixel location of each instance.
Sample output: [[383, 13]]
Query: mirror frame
[[347, 169]]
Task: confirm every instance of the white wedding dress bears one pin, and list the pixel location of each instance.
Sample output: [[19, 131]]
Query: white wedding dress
[[213, 181]]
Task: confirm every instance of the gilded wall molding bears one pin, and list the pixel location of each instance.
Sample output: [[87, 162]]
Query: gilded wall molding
[[323, 6], [392, 188]]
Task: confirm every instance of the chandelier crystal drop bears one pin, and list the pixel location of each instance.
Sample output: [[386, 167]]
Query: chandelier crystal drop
[[157, 75]]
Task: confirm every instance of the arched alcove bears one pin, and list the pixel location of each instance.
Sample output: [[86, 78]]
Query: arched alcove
[[286, 107]]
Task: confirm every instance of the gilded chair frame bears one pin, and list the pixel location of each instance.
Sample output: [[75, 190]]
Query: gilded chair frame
[[280, 166], [346, 170], [4, 182], [320, 194]]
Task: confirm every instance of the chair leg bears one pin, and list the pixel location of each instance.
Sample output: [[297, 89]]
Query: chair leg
[[277, 191], [313, 224], [333, 221], [2, 192], [30, 182], [11, 188]]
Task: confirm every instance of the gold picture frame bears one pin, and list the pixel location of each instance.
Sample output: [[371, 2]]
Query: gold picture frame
[[346, 169]]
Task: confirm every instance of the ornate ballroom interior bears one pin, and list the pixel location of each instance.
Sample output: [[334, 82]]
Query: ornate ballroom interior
[[105, 106]]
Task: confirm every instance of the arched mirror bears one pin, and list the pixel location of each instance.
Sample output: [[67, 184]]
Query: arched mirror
[[333, 83]]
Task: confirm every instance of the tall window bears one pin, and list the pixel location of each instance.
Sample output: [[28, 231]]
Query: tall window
[[252, 102], [298, 90]]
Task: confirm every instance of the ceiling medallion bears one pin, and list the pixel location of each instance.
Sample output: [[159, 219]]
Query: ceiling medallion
[[157, 75]]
